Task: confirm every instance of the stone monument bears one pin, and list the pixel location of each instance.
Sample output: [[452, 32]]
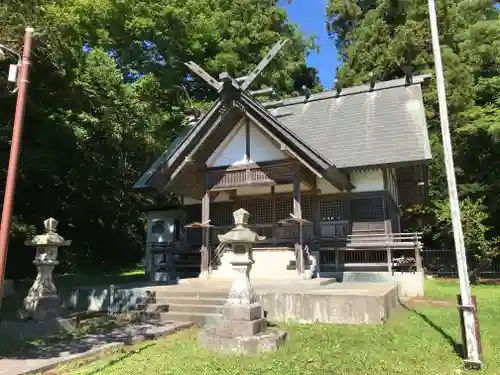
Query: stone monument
[[242, 328], [42, 302]]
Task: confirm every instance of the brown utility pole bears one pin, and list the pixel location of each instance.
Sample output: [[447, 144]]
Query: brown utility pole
[[15, 148]]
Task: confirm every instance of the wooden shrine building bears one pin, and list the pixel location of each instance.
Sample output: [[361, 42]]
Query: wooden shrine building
[[342, 160]]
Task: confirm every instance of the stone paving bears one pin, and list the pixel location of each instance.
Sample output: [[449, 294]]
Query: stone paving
[[39, 358]]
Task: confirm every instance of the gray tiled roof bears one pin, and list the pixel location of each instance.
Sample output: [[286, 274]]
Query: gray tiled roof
[[358, 128], [362, 127]]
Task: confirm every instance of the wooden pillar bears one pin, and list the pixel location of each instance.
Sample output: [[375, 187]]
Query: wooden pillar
[[297, 207], [337, 259], [205, 217], [297, 212], [183, 221], [273, 213], [316, 214], [384, 208], [389, 259]]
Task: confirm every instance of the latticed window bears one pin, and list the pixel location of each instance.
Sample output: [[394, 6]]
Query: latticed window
[[306, 203], [333, 210], [263, 211], [284, 207], [368, 209], [221, 214], [260, 210]]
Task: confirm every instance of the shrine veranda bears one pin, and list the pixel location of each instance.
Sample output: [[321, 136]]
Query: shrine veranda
[[323, 178]]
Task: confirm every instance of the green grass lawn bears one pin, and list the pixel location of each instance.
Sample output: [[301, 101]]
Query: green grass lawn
[[418, 340], [70, 281]]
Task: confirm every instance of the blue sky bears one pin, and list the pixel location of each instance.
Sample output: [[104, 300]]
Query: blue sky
[[310, 16]]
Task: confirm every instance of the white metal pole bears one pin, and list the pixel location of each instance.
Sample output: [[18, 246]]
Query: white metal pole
[[472, 355]]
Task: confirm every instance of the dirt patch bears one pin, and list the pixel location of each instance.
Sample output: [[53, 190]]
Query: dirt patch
[[423, 301], [489, 282]]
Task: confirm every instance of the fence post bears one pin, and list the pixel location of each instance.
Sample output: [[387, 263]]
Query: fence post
[[418, 256], [389, 259]]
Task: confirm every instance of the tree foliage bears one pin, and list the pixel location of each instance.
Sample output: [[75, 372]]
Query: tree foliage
[[388, 36], [477, 237], [108, 91]]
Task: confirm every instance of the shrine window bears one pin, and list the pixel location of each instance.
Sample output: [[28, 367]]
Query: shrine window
[[260, 210], [284, 207], [221, 214], [368, 209], [333, 210], [263, 209]]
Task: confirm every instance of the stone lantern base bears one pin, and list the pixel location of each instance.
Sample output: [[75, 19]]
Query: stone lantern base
[[241, 330], [42, 302]]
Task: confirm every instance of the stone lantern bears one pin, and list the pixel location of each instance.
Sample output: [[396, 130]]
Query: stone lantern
[[42, 301], [242, 328], [241, 239]]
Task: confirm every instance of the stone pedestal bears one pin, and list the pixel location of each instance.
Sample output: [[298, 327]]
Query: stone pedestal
[[242, 328], [42, 301], [241, 292]]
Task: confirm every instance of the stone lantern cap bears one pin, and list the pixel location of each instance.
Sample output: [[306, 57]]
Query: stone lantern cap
[[50, 237], [240, 233]]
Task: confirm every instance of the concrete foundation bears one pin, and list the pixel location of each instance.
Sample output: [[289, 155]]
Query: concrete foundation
[[410, 284], [313, 301], [306, 301], [349, 303]]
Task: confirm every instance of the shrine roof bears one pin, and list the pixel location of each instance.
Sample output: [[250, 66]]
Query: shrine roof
[[362, 127], [359, 127]]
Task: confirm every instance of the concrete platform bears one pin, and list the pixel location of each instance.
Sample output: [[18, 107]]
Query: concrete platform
[[305, 301]]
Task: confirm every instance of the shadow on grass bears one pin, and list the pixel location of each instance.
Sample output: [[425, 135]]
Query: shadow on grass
[[32, 340], [69, 281], [457, 347], [128, 353]]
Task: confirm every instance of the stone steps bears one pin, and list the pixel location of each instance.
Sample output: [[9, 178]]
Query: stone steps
[[188, 304], [162, 301], [169, 293], [199, 319], [171, 307]]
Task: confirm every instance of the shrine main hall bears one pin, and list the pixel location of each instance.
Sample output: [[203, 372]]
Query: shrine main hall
[[323, 176]]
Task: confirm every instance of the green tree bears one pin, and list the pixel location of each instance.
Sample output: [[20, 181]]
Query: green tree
[[482, 249], [106, 96], [387, 37]]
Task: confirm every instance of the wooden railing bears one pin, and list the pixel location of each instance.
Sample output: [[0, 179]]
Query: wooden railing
[[248, 175], [358, 251], [370, 251], [393, 240]]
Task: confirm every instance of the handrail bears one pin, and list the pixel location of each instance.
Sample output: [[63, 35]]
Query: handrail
[[394, 235], [219, 250]]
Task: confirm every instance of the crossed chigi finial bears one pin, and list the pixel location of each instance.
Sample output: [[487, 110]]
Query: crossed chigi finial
[[242, 83]]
